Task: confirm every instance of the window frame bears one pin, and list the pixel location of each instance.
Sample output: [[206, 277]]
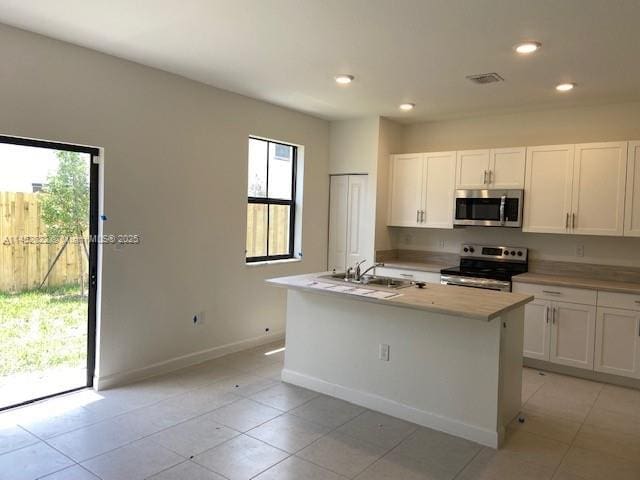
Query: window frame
[[277, 201]]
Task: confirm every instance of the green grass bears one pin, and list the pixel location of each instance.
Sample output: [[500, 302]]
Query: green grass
[[42, 329]]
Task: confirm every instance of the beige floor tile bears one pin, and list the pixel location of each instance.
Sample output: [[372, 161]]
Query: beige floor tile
[[593, 465], [72, 473], [379, 429], [562, 406], [614, 421], [427, 445], [32, 462], [273, 372], [489, 464], [244, 414], [397, 467], [94, 440], [343, 454], [194, 436], [246, 384], [284, 396], [614, 443], [288, 432], [328, 411], [531, 448], [241, 458], [186, 471], [13, 437], [297, 469], [135, 461], [528, 390], [620, 400], [547, 426], [567, 476]]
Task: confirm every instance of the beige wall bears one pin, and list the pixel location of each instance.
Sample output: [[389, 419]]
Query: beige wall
[[546, 127], [176, 173]]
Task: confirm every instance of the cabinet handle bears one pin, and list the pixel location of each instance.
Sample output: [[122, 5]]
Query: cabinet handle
[[417, 216], [422, 216], [546, 314], [637, 301], [408, 275], [573, 220], [551, 292], [566, 222], [485, 177], [553, 319], [490, 176]]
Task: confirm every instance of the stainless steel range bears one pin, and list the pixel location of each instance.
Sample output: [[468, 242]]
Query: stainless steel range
[[486, 267]]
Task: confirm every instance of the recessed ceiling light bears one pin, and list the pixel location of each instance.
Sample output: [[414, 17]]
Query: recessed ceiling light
[[407, 106], [565, 87], [343, 79], [527, 47]]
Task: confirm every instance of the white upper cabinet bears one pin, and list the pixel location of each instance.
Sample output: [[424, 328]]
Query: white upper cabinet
[[421, 190], [547, 194], [500, 168], [472, 169], [439, 177], [599, 175], [632, 204], [506, 168], [405, 190]]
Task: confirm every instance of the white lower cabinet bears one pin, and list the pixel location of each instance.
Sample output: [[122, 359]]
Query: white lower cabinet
[[406, 274], [537, 329], [572, 334], [617, 345]]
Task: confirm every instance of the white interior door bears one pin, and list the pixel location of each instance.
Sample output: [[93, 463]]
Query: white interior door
[[405, 190], [618, 342], [338, 199], [573, 334], [537, 315], [439, 185], [507, 167], [632, 203], [356, 204], [547, 196], [472, 169], [599, 177]]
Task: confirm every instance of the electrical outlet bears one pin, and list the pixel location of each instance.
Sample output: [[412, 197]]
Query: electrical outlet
[[383, 353], [579, 250], [442, 243]]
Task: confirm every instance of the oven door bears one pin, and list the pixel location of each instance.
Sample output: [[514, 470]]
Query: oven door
[[488, 208], [484, 283]]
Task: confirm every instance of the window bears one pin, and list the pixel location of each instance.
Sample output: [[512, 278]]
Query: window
[[271, 200]]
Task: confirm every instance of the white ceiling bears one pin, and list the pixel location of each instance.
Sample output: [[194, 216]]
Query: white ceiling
[[287, 51]]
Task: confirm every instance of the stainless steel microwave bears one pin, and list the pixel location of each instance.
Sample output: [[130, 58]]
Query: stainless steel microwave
[[488, 208]]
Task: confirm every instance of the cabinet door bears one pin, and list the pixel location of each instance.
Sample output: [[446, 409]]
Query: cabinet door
[[618, 342], [547, 195], [572, 334], [338, 198], [472, 169], [599, 176], [356, 235], [405, 190], [507, 167], [439, 181], [537, 315], [632, 204]]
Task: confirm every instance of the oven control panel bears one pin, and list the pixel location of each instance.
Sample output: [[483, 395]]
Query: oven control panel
[[513, 254]]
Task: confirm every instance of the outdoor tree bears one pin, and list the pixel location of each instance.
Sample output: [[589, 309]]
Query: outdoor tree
[[65, 206]]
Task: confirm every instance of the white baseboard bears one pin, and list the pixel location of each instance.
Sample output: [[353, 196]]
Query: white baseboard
[[176, 363], [395, 409]]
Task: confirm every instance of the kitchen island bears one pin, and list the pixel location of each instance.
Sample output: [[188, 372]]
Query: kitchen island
[[454, 356]]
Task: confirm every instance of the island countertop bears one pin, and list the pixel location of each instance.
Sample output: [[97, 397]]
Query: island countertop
[[446, 299]]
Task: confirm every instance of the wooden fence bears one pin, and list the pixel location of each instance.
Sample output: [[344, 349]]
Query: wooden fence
[[257, 230], [24, 260]]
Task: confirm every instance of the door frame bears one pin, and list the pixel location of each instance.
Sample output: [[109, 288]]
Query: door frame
[[94, 274]]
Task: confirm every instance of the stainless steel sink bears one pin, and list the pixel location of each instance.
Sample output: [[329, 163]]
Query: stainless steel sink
[[373, 280]]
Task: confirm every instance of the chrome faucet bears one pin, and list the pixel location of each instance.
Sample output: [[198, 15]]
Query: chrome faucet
[[359, 275]]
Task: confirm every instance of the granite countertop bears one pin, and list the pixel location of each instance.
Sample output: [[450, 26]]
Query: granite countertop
[[575, 281], [420, 266], [445, 299]]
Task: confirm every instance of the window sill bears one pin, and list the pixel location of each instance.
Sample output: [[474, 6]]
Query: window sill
[[273, 262]]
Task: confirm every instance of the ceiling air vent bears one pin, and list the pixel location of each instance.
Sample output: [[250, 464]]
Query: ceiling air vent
[[484, 78]]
